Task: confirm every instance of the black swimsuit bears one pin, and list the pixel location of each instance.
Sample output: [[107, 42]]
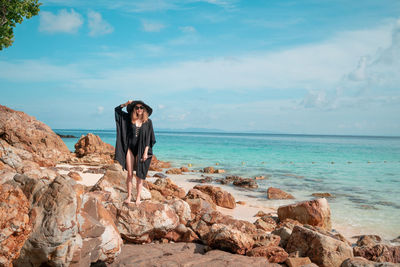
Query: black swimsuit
[[134, 138]]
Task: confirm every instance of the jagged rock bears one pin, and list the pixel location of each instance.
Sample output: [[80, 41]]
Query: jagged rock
[[314, 212], [276, 193], [74, 175], [246, 183], [15, 225], [208, 170], [261, 224], [174, 171], [158, 165], [362, 262], [262, 238], [284, 233], [167, 188], [371, 248], [195, 193], [297, 262], [274, 254], [31, 139], [184, 254], [151, 220], [321, 249], [225, 237], [92, 144], [199, 207], [54, 237], [181, 208], [220, 197]]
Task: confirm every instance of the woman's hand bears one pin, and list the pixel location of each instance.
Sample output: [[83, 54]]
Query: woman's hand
[[128, 102], [145, 156]]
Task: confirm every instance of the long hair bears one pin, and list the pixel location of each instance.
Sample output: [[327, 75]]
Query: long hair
[[144, 117]]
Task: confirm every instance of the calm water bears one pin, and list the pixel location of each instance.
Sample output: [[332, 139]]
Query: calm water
[[363, 173]]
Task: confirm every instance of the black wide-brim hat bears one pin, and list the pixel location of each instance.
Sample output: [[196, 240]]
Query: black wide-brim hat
[[132, 105]]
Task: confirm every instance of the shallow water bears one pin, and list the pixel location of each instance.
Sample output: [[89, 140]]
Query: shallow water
[[363, 173]]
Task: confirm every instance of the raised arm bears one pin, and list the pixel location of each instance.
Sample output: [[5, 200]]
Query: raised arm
[[119, 112]]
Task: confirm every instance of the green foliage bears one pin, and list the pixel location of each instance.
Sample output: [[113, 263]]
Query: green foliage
[[11, 13]]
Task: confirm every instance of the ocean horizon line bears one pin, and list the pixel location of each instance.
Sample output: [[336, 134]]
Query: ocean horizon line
[[219, 131]]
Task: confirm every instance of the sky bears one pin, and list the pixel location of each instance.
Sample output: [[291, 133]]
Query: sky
[[276, 66]]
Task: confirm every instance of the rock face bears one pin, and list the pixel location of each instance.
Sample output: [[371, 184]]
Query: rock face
[[274, 254], [15, 225], [276, 193], [151, 220], [321, 249], [25, 138], [220, 197], [166, 188], [195, 193], [100, 237], [315, 212], [158, 165], [54, 237], [361, 262], [183, 254], [371, 248]]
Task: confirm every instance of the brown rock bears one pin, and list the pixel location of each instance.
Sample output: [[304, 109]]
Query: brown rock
[[260, 213], [54, 236], [379, 253], [219, 171], [32, 139], [319, 195], [174, 171], [92, 144], [321, 249], [241, 202], [184, 169], [274, 254], [15, 225], [195, 193], [208, 170], [151, 220], [158, 165], [167, 188], [259, 177], [246, 183], [199, 206], [227, 238], [183, 254], [276, 193], [284, 234], [361, 262], [220, 197], [297, 262], [262, 238], [181, 208], [314, 212], [74, 175], [266, 226]]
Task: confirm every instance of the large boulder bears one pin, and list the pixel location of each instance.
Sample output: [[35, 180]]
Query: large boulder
[[54, 237], [167, 188], [226, 237], [100, 237], [15, 225], [90, 149], [158, 165], [220, 197], [276, 193], [362, 262], [146, 222], [195, 193], [314, 212], [373, 248], [323, 250], [31, 139]]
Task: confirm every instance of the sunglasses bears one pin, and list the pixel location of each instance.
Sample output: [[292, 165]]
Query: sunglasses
[[139, 107]]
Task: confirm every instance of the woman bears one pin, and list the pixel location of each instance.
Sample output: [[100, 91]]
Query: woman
[[135, 140]]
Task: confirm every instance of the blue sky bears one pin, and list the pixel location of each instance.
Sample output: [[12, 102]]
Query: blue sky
[[316, 67]]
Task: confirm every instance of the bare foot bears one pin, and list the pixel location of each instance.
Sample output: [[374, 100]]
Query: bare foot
[[127, 201], [138, 202]]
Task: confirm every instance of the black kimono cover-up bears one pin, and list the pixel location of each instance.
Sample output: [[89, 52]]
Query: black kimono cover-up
[[146, 138]]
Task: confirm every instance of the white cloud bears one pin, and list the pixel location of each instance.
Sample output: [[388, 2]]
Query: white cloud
[[97, 25], [64, 21], [152, 26], [187, 29]]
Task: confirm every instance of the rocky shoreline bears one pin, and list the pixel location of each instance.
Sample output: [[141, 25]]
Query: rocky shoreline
[[66, 209]]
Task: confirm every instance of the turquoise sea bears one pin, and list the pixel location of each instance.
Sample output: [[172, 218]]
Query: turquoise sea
[[362, 172]]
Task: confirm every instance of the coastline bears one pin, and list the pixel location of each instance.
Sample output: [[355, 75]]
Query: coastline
[[253, 201]]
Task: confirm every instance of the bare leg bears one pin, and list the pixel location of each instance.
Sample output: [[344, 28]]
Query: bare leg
[[129, 166], [139, 184]]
